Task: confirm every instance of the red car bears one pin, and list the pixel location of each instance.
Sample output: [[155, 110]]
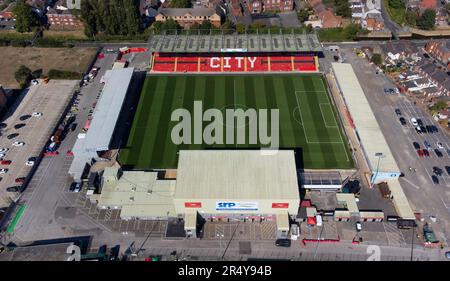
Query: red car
[[20, 180], [5, 162], [426, 153], [420, 152]]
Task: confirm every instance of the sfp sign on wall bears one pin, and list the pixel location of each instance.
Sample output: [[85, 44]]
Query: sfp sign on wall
[[236, 206]]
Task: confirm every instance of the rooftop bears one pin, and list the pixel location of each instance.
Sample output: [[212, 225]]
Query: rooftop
[[197, 43], [231, 174], [178, 12]]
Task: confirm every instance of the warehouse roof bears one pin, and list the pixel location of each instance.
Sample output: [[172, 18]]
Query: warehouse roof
[[201, 43], [400, 201], [236, 174], [369, 131], [137, 194], [108, 109]]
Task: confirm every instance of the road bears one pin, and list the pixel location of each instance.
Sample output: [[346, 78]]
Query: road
[[389, 24], [424, 196]]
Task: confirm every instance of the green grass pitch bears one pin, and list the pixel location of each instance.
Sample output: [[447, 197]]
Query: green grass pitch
[[308, 121]]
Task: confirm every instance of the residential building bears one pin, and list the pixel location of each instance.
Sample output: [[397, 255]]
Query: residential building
[[186, 17], [439, 50], [427, 4], [373, 24], [259, 6], [63, 20], [326, 16], [7, 21]]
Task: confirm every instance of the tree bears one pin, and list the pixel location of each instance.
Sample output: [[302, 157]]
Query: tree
[[411, 17], [438, 106], [23, 75], [241, 28], [228, 27], [428, 20], [342, 8], [303, 15], [396, 4], [180, 4], [376, 59], [26, 19]]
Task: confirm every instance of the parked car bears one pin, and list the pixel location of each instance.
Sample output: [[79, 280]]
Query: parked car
[[439, 145], [3, 150], [398, 112], [414, 122], [435, 179], [18, 143], [358, 226], [427, 145], [20, 180], [419, 130], [283, 242], [6, 162], [11, 136], [24, 117], [3, 171], [438, 171], [3, 125], [419, 121], [416, 145], [34, 82], [426, 153], [438, 153], [13, 189], [420, 152], [447, 168], [75, 187], [73, 126], [37, 114], [447, 255], [18, 126], [402, 121]]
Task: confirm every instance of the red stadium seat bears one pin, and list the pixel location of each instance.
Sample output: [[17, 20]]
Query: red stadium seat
[[232, 63]]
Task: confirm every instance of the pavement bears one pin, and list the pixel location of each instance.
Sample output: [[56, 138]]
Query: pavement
[[50, 99]]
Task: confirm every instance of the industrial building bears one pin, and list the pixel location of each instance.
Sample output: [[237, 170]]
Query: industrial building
[[224, 185]]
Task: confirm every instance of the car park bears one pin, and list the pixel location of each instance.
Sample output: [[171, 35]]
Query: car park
[[414, 122], [435, 179], [398, 112], [402, 121], [438, 171], [438, 153], [3, 171], [283, 242], [11, 136], [18, 126], [18, 143], [416, 145]]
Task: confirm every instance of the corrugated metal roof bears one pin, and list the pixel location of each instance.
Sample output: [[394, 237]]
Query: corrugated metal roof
[[369, 131], [236, 174], [107, 111]]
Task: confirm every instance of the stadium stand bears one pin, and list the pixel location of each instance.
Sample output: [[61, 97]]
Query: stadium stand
[[233, 63]]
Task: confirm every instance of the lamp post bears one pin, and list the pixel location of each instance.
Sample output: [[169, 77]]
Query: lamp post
[[379, 155]]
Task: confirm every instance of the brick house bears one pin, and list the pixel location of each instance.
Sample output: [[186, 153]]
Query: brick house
[[439, 50], [259, 6], [186, 17]]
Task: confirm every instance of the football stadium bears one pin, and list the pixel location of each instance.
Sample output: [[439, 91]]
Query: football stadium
[[308, 122]]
